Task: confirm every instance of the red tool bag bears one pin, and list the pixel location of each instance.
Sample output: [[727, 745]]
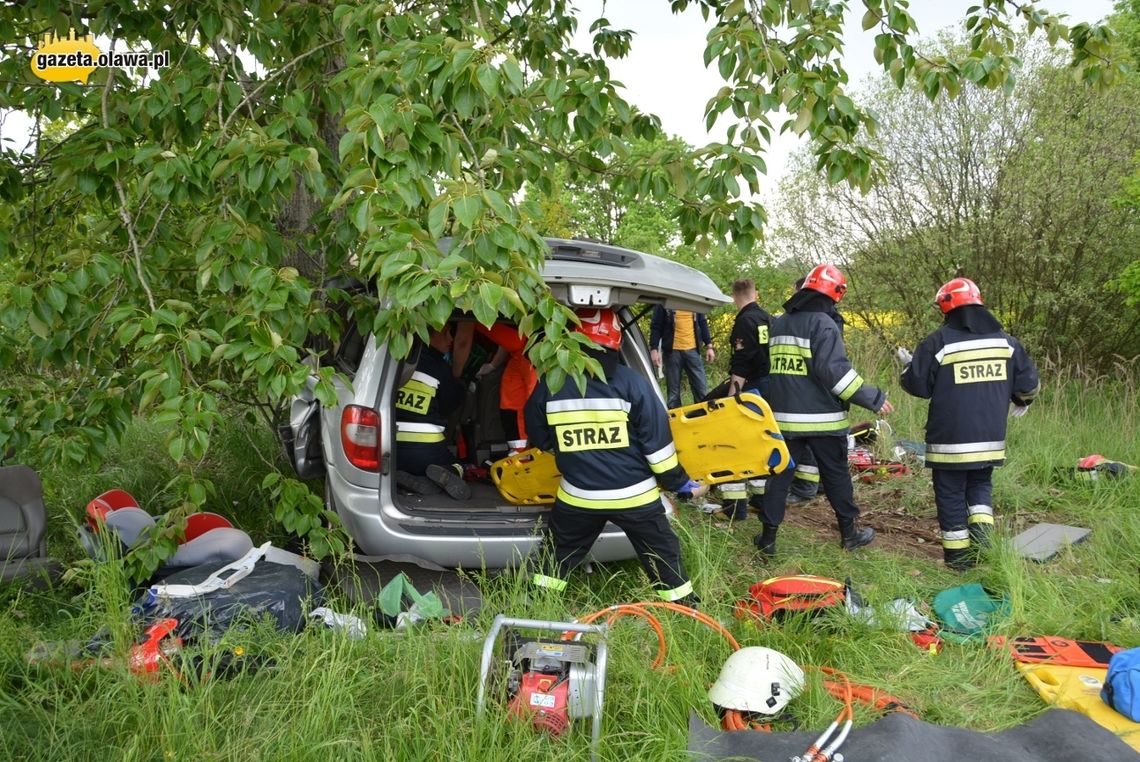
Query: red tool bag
[[774, 598]]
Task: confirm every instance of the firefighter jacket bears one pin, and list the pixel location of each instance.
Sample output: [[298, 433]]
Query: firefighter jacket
[[970, 379], [612, 444], [811, 382], [424, 402], [749, 341]]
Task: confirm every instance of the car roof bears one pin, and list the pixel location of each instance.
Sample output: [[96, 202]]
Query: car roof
[[582, 272]]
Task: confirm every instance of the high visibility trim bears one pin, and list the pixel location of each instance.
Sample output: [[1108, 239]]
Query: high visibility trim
[[848, 378], [981, 518], [633, 496], [971, 345], [676, 593], [1029, 395], [759, 484], [429, 381], [594, 403], [980, 509], [785, 340], [807, 473], [733, 491], [965, 457], [957, 539], [812, 421], [978, 355], [790, 350], [663, 460], [420, 427], [609, 504], [963, 447], [550, 583], [407, 436], [586, 416]]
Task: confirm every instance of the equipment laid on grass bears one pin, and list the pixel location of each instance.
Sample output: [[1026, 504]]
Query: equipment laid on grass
[[1078, 688], [867, 468], [23, 519], [1041, 542], [757, 680], [1053, 650], [1122, 684], [549, 682], [967, 611], [723, 440], [1094, 468], [779, 596]]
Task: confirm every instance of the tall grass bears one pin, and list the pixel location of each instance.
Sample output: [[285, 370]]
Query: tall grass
[[411, 696]]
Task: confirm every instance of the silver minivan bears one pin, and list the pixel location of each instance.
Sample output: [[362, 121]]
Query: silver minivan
[[352, 444]]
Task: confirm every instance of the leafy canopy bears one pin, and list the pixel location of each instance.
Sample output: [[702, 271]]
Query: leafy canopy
[[173, 229]]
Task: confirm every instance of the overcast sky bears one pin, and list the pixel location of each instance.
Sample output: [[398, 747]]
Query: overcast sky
[[665, 74]]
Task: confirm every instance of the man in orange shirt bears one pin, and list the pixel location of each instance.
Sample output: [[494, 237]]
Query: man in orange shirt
[[675, 337]]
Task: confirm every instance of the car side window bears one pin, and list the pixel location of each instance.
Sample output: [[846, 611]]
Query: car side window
[[349, 351]]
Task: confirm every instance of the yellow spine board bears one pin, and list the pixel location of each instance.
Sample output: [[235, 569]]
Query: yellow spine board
[[724, 440], [1078, 688], [728, 440], [530, 477]]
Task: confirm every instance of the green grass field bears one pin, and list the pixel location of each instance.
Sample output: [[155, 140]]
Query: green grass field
[[412, 697]]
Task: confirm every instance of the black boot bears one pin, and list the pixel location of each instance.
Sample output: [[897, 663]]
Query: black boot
[[451, 479], [852, 537], [765, 542], [980, 535], [959, 559], [691, 600]]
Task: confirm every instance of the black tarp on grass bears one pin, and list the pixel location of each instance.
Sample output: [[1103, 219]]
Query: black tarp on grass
[[1058, 735]]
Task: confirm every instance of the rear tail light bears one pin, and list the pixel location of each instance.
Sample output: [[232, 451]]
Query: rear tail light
[[360, 437]]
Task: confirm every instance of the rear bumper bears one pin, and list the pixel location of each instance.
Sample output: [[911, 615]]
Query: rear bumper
[[378, 527]]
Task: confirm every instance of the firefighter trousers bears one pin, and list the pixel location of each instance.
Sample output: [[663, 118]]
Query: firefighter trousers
[[571, 533], [965, 513], [831, 459]]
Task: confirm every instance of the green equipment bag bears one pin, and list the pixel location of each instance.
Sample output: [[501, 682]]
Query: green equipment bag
[[967, 611], [399, 604]]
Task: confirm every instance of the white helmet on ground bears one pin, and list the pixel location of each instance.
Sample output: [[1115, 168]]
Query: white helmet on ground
[[757, 679]]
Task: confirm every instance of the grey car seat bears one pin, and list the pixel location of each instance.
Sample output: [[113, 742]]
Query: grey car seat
[[23, 519]]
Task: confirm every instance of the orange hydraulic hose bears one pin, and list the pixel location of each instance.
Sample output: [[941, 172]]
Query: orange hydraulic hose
[[841, 688]]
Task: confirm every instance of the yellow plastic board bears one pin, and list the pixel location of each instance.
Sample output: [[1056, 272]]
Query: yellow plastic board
[[1078, 688], [731, 439], [527, 478]]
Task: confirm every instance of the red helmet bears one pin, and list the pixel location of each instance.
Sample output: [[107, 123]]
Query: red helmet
[[956, 293], [827, 280], [601, 327]]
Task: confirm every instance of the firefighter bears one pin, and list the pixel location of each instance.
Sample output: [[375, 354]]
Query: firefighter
[[612, 444], [424, 462], [810, 387], [748, 369], [971, 371]]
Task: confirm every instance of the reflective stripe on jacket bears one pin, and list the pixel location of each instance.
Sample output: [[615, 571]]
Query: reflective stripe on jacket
[[970, 380], [811, 381], [612, 444]]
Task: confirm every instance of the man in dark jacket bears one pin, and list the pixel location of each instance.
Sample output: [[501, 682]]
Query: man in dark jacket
[[748, 370], [811, 386], [423, 404], [675, 338], [612, 445], [971, 371]]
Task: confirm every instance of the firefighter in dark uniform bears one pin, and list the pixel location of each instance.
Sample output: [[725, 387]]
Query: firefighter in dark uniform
[[424, 462], [811, 386], [971, 371], [612, 445], [748, 369]]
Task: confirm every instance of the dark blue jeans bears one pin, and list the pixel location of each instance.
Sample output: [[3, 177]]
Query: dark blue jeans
[[690, 360]]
